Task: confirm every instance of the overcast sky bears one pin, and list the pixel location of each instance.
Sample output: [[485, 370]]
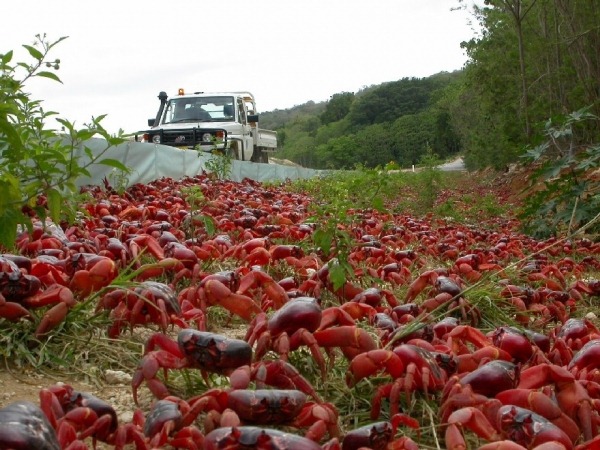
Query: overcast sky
[[120, 54]]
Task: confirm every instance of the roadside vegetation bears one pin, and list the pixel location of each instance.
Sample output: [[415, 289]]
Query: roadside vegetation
[[371, 134], [533, 61], [36, 160]]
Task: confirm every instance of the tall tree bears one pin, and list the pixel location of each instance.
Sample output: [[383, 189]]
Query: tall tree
[[518, 10], [579, 32]]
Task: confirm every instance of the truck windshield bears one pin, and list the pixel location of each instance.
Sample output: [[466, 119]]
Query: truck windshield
[[199, 109]]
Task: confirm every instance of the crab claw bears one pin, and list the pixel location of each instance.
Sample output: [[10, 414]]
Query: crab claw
[[351, 340], [216, 293], [366, 364], [63, 300]]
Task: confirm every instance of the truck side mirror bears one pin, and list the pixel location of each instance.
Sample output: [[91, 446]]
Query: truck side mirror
[[253, 118], [151, 122]]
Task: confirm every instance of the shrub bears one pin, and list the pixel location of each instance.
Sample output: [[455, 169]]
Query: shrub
[[39, 165], [564, 196]]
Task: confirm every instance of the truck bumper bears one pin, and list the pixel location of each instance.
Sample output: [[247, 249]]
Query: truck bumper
[[203, 139]]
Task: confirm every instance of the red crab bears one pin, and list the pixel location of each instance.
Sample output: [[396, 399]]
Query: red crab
[[291, 326], [479, 386], [20, 292], [284, 407], [517, 343], [202, 350], [259, 285], [24, 426], [510, 422], [276, 373], [468, 360], [39, 240], [576, 332], [78, 415], [411, 367], [436, 278], [90, 272], [170, 422], [571, 394], [148, 302], [258, 438], [218, 290], [381, 435], [287, 407], [301, 321], [542, 403], [586, 362]]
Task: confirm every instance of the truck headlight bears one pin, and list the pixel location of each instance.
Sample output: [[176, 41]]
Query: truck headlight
[[206, 137], [156, 138]]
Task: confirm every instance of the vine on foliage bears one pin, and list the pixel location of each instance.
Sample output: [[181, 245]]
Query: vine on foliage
[[569, 196], [39, 166]]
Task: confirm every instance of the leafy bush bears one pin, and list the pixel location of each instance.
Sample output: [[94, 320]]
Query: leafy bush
[[564, 194], [219, 164], [39, 165]]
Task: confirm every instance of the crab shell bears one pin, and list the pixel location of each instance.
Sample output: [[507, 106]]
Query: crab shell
[[254, 437], [24, 426]]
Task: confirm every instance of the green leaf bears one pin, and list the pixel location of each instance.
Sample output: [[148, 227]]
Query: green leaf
[[209, 224], [9, 220], [50, 75], [7, 57], [323, 239], [337, 275], [378, 204], [114, 163], [114, 140], [536, 152], [60, 39], [85, 134], [34, 52], [54, 204], [68, 125], [11, 134]]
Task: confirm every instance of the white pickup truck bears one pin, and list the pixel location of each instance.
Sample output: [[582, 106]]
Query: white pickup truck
[[212, 121]]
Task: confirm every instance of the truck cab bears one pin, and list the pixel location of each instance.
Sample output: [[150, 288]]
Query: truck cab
[[218, 121]]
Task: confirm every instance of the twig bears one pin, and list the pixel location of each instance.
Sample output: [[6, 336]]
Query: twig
[[570, 227]]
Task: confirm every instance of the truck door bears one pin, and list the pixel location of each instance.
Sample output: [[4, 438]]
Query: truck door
[[246, 130]]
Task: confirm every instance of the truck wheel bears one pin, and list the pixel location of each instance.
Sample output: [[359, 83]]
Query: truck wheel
[[264, 157], [256, 155], [260, 156]]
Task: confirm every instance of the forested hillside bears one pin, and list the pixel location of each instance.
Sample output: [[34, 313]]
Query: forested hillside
[[533, 63]]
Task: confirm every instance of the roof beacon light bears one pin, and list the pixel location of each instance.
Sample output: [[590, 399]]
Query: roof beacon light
[[180, 92]]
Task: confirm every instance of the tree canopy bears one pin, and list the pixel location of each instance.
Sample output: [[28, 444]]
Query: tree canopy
[[532, 60]]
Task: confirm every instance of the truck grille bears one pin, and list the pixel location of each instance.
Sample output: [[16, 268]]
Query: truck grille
[[190, 137]]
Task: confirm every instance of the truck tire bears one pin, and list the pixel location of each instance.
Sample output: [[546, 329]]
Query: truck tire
[[257, 155], [260, 156], [264, 157]]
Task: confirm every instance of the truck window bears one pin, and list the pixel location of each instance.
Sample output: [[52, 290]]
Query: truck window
[[228, 111], [190, 109], [241, 113]]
